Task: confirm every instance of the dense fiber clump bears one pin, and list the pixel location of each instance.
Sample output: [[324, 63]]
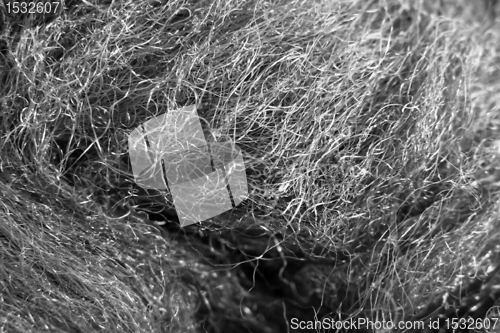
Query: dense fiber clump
[[370, 134]]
